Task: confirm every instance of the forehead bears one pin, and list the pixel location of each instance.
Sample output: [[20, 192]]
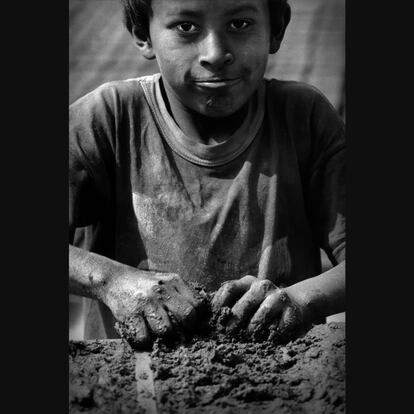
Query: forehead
[[208, 7]]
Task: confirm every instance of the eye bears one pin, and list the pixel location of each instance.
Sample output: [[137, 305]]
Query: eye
[[186, 27], [239, 24]]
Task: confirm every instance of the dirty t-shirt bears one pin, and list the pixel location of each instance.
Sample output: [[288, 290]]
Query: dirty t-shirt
[[262, 202]]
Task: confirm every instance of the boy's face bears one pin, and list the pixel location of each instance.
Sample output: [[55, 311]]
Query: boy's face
[[212, 54]]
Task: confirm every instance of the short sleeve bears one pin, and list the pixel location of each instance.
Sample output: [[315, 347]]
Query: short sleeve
[[326, 185], [91, 127]]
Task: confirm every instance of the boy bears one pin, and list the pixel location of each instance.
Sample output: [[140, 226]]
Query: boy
[[208, 173]]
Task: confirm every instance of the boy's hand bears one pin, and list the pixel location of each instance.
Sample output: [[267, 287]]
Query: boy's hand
[[152, 305], [259, 305]]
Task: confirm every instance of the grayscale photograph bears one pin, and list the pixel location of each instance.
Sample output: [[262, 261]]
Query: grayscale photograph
[[207, 207]]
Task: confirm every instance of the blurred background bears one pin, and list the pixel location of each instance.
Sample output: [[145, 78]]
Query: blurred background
[[101, 50]]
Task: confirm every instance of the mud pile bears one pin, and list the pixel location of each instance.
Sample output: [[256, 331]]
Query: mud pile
[[224, 375], [215, 374]]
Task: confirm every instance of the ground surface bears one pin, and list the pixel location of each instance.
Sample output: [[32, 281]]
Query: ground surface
[[216, 375]]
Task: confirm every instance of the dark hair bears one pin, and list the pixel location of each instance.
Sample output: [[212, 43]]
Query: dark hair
[[138, 13]]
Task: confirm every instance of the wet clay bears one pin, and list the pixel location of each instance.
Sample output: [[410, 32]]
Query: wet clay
[[223, 375], [102, 378], [215, 374]]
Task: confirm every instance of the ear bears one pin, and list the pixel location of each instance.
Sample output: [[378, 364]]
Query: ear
[[145, 46], [276, 38]]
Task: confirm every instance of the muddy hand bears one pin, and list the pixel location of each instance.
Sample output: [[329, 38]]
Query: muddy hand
[[259, 305], [152, 305], [280, 314]]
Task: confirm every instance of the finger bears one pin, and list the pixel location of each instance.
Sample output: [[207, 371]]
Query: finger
[[170, 281], [269, 311], [289, 322], [245, 307], [181, 310], [157, 319], [142, 337], [135, 331], [230, 292], [174, 294], [191, 295]]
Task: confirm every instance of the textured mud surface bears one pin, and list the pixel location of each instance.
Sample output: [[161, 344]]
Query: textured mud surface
[[102, 378], [215, 374], [221, 375]]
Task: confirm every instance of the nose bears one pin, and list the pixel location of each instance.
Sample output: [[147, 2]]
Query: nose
[[213, 53]]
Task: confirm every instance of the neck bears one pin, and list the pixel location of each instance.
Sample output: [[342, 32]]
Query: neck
[[203, 129]]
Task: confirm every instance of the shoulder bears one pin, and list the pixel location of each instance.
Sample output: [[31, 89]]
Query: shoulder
[[102, 113], [295, 94], [308, 118], [100, 120], [112, 97], [299, 101]]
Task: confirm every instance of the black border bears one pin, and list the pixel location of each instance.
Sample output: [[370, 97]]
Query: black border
[[378, 228], [34, 203], [34, 207]]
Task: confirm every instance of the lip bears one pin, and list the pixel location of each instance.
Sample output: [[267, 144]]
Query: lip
[[214, 83]]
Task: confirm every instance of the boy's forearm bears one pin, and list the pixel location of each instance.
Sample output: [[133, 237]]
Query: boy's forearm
[[90, 274], [322, 295], [144, 302]]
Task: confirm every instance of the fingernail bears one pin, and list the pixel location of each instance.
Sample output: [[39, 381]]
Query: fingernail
[[252, 327]]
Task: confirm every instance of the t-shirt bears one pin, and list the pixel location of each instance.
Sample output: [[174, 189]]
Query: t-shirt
[[263, 202]]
